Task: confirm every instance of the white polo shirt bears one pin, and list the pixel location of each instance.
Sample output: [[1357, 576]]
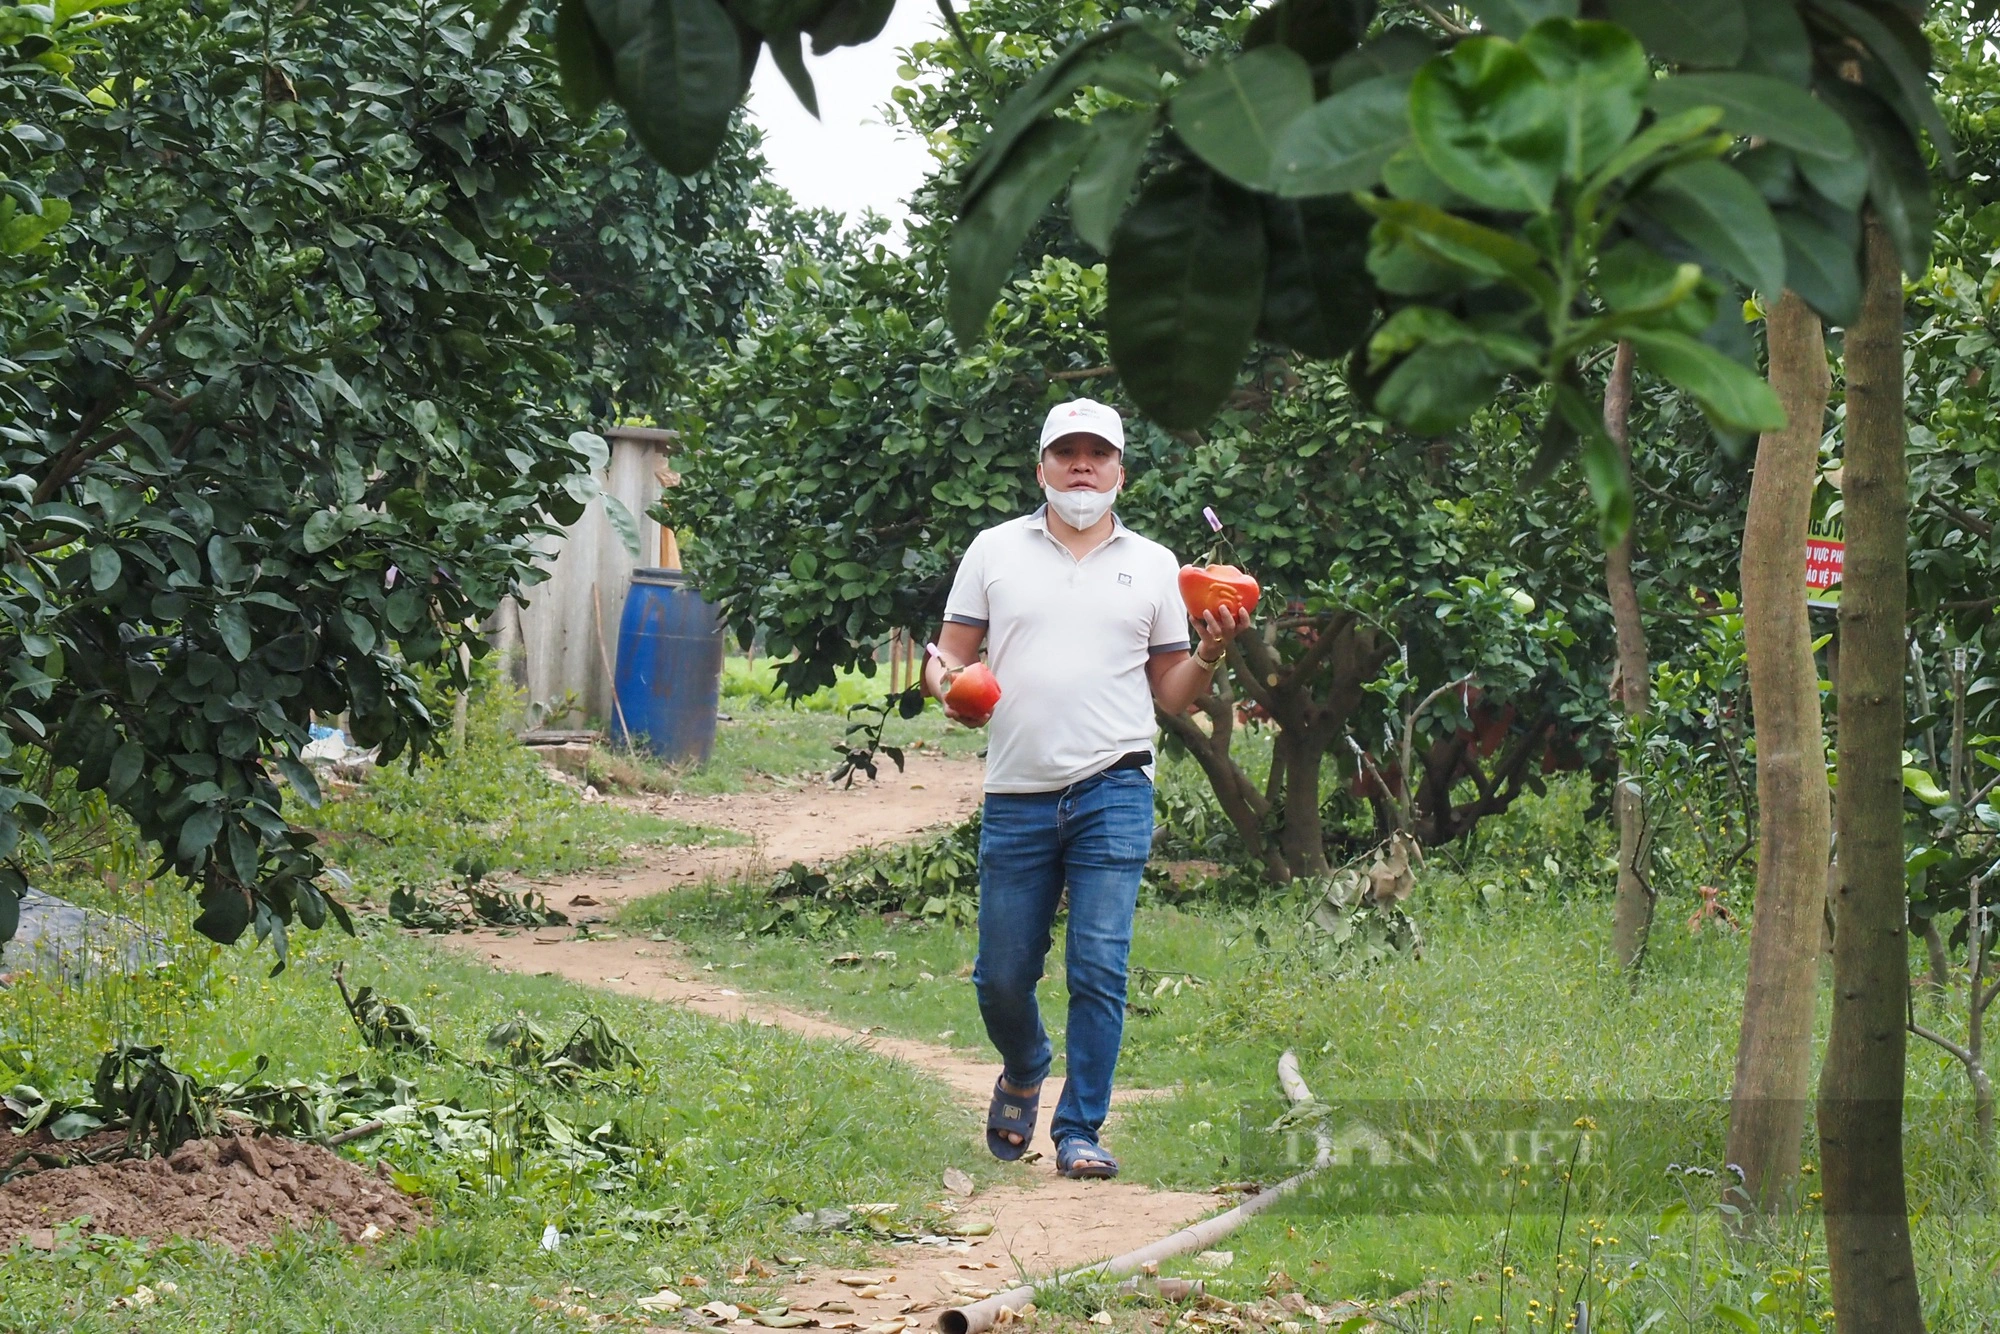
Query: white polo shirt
[[1069, 641]]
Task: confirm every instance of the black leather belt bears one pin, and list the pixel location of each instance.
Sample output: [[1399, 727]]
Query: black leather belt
[[1131, 759]]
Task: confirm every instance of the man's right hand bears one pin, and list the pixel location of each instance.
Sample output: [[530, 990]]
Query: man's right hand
[[939, 678], [958, 647]]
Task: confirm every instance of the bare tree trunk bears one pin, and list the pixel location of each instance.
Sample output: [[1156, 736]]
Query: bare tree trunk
[[1302, 837], [1767, 1110], [1234, 792], [1861, 1085], [1632, 916]]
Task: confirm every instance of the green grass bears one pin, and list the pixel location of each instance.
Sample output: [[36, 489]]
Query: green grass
[[732, 1127], [491, 800], [761, 742], [736, 1127], [1517, 997]]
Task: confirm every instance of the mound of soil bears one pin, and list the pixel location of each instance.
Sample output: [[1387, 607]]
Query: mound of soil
[[236, 1190]]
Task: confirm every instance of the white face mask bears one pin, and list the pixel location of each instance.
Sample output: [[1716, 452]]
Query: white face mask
[[1080, 509]]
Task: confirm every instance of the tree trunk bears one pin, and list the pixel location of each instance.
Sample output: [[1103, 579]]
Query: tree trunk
[[1861, 1085], [1302, 838], [1234, 792], [1767, 1110], [1632, 917]]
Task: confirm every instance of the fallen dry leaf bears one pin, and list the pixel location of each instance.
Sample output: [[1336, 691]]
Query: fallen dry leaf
[[666, 1299], [720, 1310], [893, 1325], [830, 1305], [1100, 1318], [957, 1182], [570, 1309], [785, 1321], [862, 1280]]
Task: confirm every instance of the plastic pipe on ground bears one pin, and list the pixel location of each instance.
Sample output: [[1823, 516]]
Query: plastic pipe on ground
[[981, 1316]]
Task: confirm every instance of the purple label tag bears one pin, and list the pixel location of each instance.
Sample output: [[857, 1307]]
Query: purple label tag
[[1208, 512]]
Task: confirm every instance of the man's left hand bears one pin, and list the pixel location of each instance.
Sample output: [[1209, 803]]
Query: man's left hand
[[1216, 628]]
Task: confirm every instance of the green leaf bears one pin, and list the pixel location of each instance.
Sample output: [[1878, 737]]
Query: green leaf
[[987, 239], [1055, 84], [198, 833], [1400, 51], [1714, 209], [1632, 276], [583, 60], [1898, 185], [1187, 284], [500, 29], [676, 68], [1481, 250], [10, 911], [1906, 65], [622, 523], [1746, 1323], [1319, 30], [127, 763], [787, 55], [1761, 106], [105, 566], [850, 23], [225, 912], [1841, 181], [1110, 168], [225, 562], [1490, 124], [1821, 266], [1438, 387], [596, 450], [1318, 297], [1449, 369], [1777, 43], [1732, 396], [1232, 113], [323, 530], [1511, 18], [1703, 33], [301, 777], [1604, 467], [1339, 145], [233, 624], [1601, 76], [1660, 139]]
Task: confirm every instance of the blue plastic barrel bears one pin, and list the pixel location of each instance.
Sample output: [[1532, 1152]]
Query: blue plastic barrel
[[669, 667]]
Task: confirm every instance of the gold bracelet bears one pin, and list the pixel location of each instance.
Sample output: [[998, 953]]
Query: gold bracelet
[[1196, 655]]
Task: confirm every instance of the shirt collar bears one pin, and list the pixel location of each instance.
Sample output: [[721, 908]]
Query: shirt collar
[[1040, 520]]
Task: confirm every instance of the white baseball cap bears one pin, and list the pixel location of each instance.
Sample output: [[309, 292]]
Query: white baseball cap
[[1084, 416]]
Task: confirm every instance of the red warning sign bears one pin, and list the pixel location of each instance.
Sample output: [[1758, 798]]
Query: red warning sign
[[1826, 553]]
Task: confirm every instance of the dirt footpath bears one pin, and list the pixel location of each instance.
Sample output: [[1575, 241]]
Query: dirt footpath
[[808, 823], [1041, 1223]]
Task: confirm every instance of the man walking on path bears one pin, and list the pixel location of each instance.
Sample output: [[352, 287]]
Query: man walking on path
[[1085, 629]]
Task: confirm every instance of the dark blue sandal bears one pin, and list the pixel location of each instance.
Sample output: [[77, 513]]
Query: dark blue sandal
[[1078, 1158], [1011, 1113]]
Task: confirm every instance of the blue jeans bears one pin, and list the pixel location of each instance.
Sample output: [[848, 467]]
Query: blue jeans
[[1094, 837]]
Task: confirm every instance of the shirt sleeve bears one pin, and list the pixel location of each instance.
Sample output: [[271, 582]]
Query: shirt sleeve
[[966, 604], [1170, 618]]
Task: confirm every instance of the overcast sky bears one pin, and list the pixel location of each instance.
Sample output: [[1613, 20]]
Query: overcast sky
[[848, 160]]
